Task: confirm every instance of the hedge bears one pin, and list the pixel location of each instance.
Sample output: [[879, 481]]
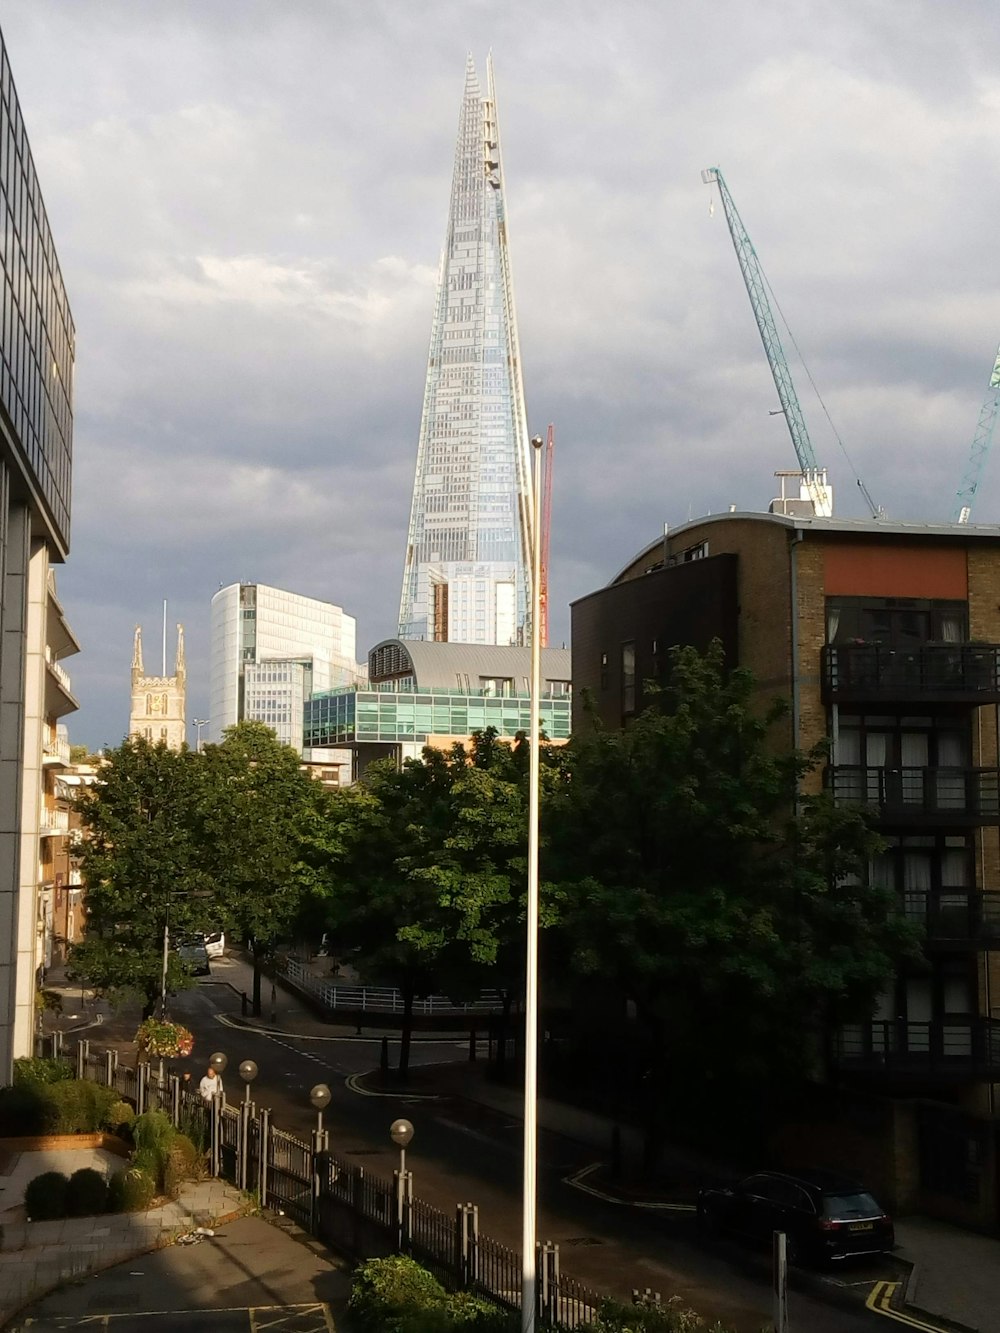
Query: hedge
[[68, 1106], [397, 1295]]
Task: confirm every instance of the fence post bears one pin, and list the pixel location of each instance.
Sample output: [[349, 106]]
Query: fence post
[[472, 1046], [243, 1147], [467, 1228], [109, 1069], [82, 1052], [403, 1181], [265, 1148], [57, 1043], [548, 1287], [141, 1087], [780, 1280], [215, 1133]]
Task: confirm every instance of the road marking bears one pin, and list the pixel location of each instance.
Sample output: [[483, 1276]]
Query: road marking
[[227, 1021], [577, 1182], [403, 1094], [879, 1301]]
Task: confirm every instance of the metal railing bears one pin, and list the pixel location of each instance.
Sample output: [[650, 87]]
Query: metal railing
[[955, 916], [337, 1200], [951, 794], [382, 999], [944, 1047], [949, 671]]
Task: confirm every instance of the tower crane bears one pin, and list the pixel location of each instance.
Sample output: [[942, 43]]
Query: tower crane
[[813, 476], [550, 448], [981, 443]]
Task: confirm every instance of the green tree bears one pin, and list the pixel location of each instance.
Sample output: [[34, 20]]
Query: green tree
[[263, 819], [142, 866], [428, 872], [727, 909]]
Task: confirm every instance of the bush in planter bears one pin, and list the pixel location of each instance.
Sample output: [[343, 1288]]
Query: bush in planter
[[25, 1110], [468, 1313], [131, 1190], [183, 1162], [80, 1107], [120, 1118], [396, 1295], [30, 1071], [87, 1193], [46, 1195]]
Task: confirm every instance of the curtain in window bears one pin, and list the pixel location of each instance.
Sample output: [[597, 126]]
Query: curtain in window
[[951, 627], [876, 753], [832, 624], [916, 884], [951, 776]]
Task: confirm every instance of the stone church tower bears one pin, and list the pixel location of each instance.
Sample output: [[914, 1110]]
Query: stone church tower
[[158, 702]]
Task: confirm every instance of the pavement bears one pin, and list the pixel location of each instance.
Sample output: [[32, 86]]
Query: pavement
[[36, 1257], [947, 1278]]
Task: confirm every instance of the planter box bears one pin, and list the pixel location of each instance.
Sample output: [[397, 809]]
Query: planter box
[[59, 1142]]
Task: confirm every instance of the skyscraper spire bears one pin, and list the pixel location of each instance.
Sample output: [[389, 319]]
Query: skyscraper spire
[[467, 569]]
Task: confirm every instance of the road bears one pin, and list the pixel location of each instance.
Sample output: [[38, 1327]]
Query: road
[[462, 1151]]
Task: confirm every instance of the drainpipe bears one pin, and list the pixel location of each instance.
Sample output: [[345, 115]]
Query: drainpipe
[[794, 609]]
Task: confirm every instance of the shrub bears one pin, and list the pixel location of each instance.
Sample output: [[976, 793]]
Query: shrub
[[131, 1190], [87, 1193], [671, 1317], [183, 1162], [394, 1295], [468, 1311], [150, 1163], [120, 1116], [46, 1196], [80, 1107], [25, 1110], [32, 1070], [152, 1131]]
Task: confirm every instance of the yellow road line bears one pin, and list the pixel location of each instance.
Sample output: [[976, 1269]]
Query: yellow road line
[[880, 1302]]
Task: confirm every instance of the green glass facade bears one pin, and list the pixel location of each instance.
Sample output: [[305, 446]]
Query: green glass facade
[[342, 717]]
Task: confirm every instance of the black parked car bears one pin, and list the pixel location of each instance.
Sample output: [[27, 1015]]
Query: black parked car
[[825, 1215]]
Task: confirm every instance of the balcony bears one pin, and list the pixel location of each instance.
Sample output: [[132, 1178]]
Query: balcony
[[56, 751], [932, 673], [960, 797], [54, 823], [956, 919], [944, 1048]]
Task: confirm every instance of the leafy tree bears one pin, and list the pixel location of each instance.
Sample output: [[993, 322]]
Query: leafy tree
[[727, 909], [142, 864], [428, 872], [263, 818]]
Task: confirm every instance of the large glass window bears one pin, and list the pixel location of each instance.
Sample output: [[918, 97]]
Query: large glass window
[[895, 622]]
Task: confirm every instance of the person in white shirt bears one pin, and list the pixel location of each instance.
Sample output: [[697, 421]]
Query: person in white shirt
[[211, 1085]]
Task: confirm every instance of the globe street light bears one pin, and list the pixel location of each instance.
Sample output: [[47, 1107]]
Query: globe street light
[[320, 1098], [401, 1132], [248, 1072]]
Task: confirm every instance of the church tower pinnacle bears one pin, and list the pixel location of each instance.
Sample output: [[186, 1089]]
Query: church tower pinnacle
[[467, 567], [159, 702]]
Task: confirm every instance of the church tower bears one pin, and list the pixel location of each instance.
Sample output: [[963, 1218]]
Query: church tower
[[158, 702]]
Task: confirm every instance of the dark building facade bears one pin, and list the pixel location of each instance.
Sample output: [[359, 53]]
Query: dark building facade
[[36, 430], [885, 640]]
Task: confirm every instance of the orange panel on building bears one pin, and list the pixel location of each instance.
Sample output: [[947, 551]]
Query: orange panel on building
[[863, 570]]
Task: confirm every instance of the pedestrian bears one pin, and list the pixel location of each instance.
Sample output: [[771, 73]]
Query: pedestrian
[[210, 1086]]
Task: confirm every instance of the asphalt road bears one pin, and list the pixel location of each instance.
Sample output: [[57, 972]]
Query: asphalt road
[[462, 1151]]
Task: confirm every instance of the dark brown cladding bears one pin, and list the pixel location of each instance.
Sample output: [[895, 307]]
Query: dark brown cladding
[[621, 635]]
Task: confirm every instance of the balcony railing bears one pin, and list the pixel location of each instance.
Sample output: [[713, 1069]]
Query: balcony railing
[[948, 795], [959, 917], [931, 673], [54, 823], [942, 1048], [56, 750]]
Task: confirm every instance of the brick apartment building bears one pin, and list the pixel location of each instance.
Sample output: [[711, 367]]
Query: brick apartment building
[[885, 638]]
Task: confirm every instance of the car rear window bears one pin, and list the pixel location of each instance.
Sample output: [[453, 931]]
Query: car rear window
[[841, 1207]]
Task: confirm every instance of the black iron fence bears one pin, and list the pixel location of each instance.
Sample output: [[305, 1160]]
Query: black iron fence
[[349, 1208]]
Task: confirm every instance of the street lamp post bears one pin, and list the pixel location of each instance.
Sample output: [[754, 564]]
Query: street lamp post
[[401, 1132], [320, 1098], [198, 723], [529, 1276], [248, 1072], [217, 1061]]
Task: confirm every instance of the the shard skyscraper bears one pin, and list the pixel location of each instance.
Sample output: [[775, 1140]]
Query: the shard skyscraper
[[467, 571]]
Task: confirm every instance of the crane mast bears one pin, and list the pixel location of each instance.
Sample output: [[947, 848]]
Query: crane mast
[[981, 443], [813, 477]]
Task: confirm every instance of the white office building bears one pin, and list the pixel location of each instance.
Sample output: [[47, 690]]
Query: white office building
[[270, 650]]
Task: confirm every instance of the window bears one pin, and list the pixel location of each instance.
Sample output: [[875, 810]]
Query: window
[[896, 622], [604, 671], [628, 677]]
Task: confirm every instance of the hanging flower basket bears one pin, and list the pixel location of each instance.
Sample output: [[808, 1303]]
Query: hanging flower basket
[[162, 1039]]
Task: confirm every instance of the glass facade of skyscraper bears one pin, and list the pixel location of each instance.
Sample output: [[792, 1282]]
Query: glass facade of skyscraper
[[36, 328], [466, 574]]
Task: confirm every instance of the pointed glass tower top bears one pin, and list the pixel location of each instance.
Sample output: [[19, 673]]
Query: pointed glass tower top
[[467, 570]]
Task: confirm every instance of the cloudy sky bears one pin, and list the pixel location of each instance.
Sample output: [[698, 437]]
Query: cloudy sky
[[249, 201]]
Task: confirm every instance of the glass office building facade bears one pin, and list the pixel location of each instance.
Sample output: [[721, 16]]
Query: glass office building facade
[[36, 445], [467, 569], [36, 335], [345, 717]]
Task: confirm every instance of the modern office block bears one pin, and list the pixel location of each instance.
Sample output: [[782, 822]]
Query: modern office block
[[36, 436], [435, 694], [270, 649], [466, 577]]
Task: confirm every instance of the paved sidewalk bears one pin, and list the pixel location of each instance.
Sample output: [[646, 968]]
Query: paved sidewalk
[[35, 1257]]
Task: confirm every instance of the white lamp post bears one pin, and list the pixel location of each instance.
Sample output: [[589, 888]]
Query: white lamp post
[[529, 1282]]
